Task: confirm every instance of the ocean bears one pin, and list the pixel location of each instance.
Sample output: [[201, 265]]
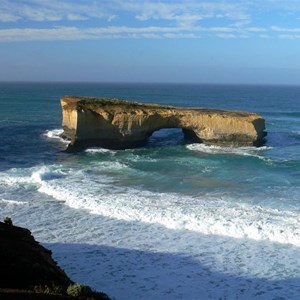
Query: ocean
[[166, 221]]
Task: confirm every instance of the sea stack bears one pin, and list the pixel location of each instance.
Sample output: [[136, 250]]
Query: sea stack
[[120, 124]]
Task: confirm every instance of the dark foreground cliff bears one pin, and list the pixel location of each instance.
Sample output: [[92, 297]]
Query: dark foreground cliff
[[27, 270]]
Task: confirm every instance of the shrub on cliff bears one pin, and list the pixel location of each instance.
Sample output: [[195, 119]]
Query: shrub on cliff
[[79, 290], [8, 221], [49, 289]]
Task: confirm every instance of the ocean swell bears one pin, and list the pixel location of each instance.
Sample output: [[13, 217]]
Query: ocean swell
[[208, 214]]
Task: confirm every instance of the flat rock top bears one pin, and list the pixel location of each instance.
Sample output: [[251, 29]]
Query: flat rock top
[[117, 105]]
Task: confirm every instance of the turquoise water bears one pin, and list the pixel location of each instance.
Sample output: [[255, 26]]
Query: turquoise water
[[170, 220]]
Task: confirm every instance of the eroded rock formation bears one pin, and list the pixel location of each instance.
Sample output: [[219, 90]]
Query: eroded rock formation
[[120, 124]]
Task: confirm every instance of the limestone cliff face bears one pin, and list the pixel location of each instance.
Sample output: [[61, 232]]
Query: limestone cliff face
[[120, 124]]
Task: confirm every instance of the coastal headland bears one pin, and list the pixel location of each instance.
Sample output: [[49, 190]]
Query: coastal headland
[[120, 124], [28, 270]]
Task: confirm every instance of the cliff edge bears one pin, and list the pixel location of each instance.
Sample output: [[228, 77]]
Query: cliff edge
[[120, 124], [27, 270]]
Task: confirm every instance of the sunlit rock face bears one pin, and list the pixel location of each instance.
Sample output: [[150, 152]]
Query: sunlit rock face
[[120, 124]]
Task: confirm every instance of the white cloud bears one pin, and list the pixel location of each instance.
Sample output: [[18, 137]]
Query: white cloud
[[216, 29], [290, 6], [117, 32], [44, 10], [256, 29], [74, 33], [281, 29], [181, 36], [142, 19], [71, 33], [264, 36], [184, 13], [226, 36], [289, 36], [7, 17], [76, 17]]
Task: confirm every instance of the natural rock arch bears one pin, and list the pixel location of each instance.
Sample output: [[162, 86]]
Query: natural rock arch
[[188, 135], [120, 124], [167, 137]]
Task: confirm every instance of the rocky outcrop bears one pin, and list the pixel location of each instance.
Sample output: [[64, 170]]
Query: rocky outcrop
[[25, 263], [27, 270], [120, 124]]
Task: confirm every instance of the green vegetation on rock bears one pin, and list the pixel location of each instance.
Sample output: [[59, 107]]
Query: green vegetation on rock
[[8, 221], [79, 290]]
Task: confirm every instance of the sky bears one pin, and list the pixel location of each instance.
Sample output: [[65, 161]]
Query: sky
[[227, 42]]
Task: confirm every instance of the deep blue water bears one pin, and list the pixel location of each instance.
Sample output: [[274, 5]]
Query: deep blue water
[[206, 203]]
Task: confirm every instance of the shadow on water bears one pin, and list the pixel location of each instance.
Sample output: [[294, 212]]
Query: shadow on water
[[135, 274]]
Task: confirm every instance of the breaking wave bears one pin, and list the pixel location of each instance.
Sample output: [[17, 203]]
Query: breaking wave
[[13, 202], [214, 215], [55, 134], [244, 151], [96, 150]]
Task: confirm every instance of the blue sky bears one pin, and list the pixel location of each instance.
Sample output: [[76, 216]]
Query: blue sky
[[250, 41]]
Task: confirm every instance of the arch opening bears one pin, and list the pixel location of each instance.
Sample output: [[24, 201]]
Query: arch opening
[[166, 137], [172, 137]]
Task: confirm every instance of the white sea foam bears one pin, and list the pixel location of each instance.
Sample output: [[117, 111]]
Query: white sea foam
[[45, 173], [113, 166], [37, 176], [96, 150], [11, 180], [13, 202], [207, 215], [213, 149], [55, 134], [40, 174], [296, 132]]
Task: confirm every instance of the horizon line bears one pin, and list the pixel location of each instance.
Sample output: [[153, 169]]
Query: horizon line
[[146, 83]]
